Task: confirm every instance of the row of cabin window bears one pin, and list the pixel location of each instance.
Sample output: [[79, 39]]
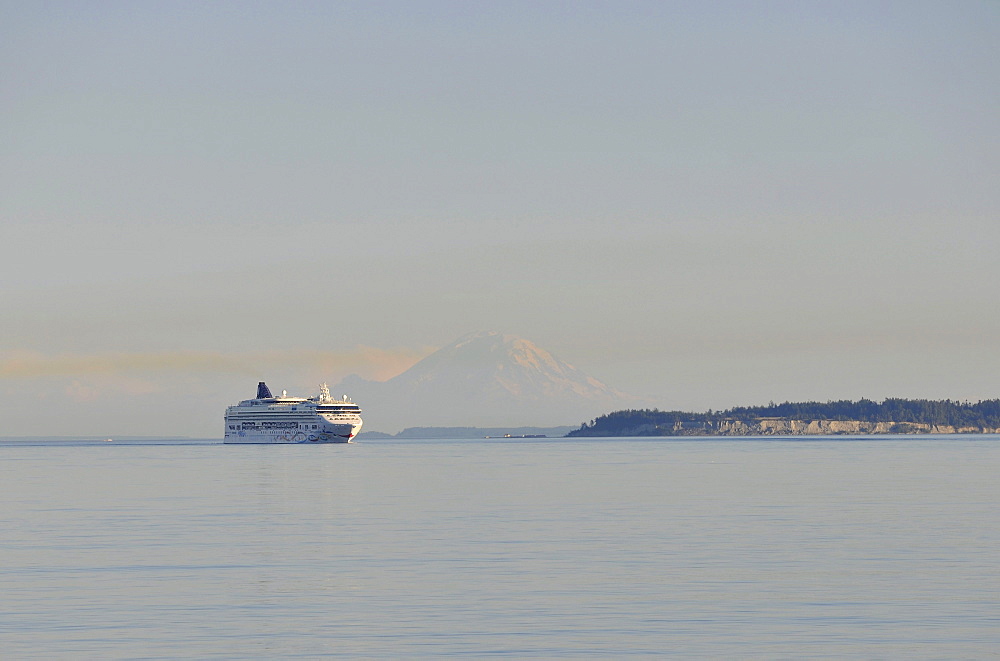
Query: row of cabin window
[[236, 427]]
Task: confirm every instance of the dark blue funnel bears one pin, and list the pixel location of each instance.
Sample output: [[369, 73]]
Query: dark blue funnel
[[263, 392]]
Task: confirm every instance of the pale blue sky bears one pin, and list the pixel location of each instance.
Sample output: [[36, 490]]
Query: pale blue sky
[[706, 203]]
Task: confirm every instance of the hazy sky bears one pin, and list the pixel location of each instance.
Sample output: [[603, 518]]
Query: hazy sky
[[706, 203]]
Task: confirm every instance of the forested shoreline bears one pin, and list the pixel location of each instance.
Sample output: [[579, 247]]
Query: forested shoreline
[[890, 415]]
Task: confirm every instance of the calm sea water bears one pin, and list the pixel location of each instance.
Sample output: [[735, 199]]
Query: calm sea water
[[746, 548]]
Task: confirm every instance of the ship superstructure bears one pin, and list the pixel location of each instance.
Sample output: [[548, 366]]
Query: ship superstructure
[[284, 419]]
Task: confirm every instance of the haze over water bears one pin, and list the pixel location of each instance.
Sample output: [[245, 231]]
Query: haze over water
[[703, 204], [828, 548]]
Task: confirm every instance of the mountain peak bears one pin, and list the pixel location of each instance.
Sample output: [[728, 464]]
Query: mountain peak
[[486, 378]]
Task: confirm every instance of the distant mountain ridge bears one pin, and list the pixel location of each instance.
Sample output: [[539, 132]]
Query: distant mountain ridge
[[484, 379], [413, 433]]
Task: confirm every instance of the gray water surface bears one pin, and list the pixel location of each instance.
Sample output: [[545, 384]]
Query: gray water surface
[[750, 548]]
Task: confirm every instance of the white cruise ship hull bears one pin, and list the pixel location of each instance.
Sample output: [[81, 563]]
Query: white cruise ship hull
[[342, 434]]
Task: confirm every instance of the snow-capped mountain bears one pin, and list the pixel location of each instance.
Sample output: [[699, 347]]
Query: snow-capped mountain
[[484, 379]]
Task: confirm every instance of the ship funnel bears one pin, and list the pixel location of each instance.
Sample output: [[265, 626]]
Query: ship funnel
[[263, 392]]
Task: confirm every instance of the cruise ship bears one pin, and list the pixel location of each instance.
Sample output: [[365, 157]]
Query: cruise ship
[[270, 419]]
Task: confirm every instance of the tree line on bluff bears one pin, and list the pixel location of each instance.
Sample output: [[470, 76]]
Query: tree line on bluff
[[653, 422]]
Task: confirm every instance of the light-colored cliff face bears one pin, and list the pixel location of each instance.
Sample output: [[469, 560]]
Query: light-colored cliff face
[[779, 427]]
